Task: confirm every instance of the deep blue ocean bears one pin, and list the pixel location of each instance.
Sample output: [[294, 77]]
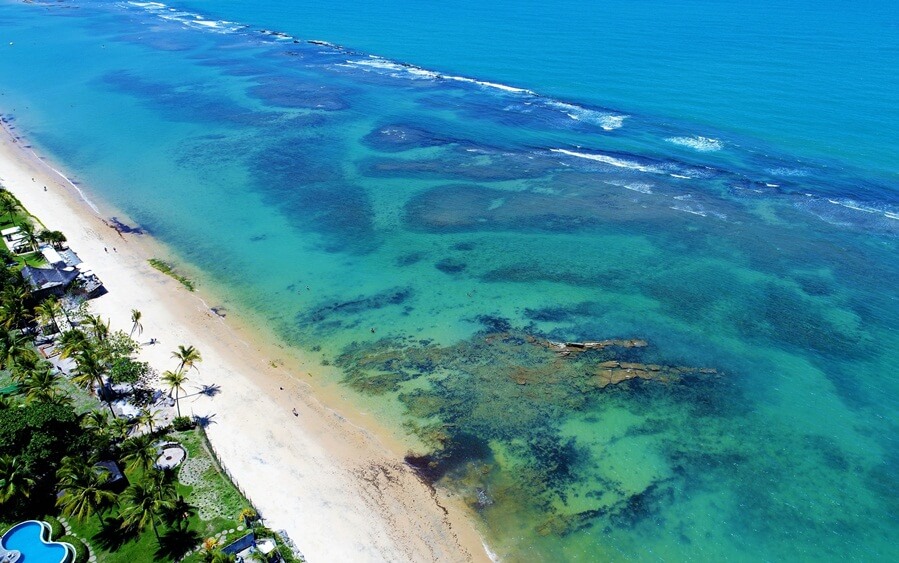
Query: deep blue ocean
[[708, 189]]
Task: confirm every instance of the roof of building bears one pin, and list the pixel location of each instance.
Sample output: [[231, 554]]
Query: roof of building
[[45, 278], [52, 257], [115, 474]]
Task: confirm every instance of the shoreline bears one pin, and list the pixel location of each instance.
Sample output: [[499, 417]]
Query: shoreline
[[327, 475]]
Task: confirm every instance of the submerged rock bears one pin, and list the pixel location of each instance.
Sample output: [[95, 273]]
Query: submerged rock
[[566, 348]]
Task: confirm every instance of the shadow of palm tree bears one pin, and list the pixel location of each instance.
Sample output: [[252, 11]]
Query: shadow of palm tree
[[175, 544], [210, 390], [203, 421], [112, 536]]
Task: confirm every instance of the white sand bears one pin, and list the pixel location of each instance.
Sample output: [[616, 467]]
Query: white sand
[[338, 490]]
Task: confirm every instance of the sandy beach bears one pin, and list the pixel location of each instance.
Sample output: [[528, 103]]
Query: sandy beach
[[340, 491]]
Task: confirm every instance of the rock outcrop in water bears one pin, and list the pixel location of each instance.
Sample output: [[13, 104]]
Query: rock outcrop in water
[[612, 372]]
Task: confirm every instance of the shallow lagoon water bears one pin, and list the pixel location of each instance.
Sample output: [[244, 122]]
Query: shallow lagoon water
[[469, 224]]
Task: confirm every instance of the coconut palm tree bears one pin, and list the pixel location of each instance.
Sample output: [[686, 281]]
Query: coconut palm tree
[[135, 323], [95, 420], [119, 428], [8, 205], [147, 417], [29, 236], [15, 480], [175, 380], [188, 356], [85, 494], [13, 312], [89, 373], [41, 385], [162, 482], [13, 348], [139, 452], [48, 310], [143, 505], [72, 342], [55, 238], [97, 327]]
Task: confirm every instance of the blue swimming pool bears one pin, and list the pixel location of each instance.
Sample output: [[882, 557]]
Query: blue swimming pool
[[31, 539]]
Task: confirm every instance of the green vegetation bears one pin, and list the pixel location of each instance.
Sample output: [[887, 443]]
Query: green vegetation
[[169, 270], [81, 552]]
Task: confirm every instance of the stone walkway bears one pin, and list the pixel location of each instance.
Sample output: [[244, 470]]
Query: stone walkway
[[90, 550]]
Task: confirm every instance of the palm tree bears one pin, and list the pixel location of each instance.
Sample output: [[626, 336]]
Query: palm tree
[[95, 420], [89, 373], [135, 323], [98, 328], [85, 494], [13, 312], [148, 417], [13, 348], [8, 205], [48, 310], [139, 452], [27, 230], [14, 479], [41, 385], [143, 505], [188, 356], [119, 428], [55, 238], [162, 482], [175, 380], [72, 342]]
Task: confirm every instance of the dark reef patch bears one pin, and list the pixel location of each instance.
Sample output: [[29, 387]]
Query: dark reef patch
[[568, 208], [450, 266], [190, 102], [327, 312], [409, 259], [481, 165], [398, 137], [510, 389], [296, 93], [299, 177]]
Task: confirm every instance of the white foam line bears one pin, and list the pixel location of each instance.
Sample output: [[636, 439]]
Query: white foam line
[[607, 120], [698, 143], [620, 163]]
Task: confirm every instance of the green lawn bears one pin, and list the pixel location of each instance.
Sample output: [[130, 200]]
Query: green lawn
[[33, 259], [203, 485]]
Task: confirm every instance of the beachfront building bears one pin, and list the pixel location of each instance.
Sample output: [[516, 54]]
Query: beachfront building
[[45, 282], [58, 277]]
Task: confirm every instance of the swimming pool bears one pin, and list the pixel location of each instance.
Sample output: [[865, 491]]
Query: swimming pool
[[31, 539]]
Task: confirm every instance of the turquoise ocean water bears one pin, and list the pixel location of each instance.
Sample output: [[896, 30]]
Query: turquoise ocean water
[[715, 179]]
